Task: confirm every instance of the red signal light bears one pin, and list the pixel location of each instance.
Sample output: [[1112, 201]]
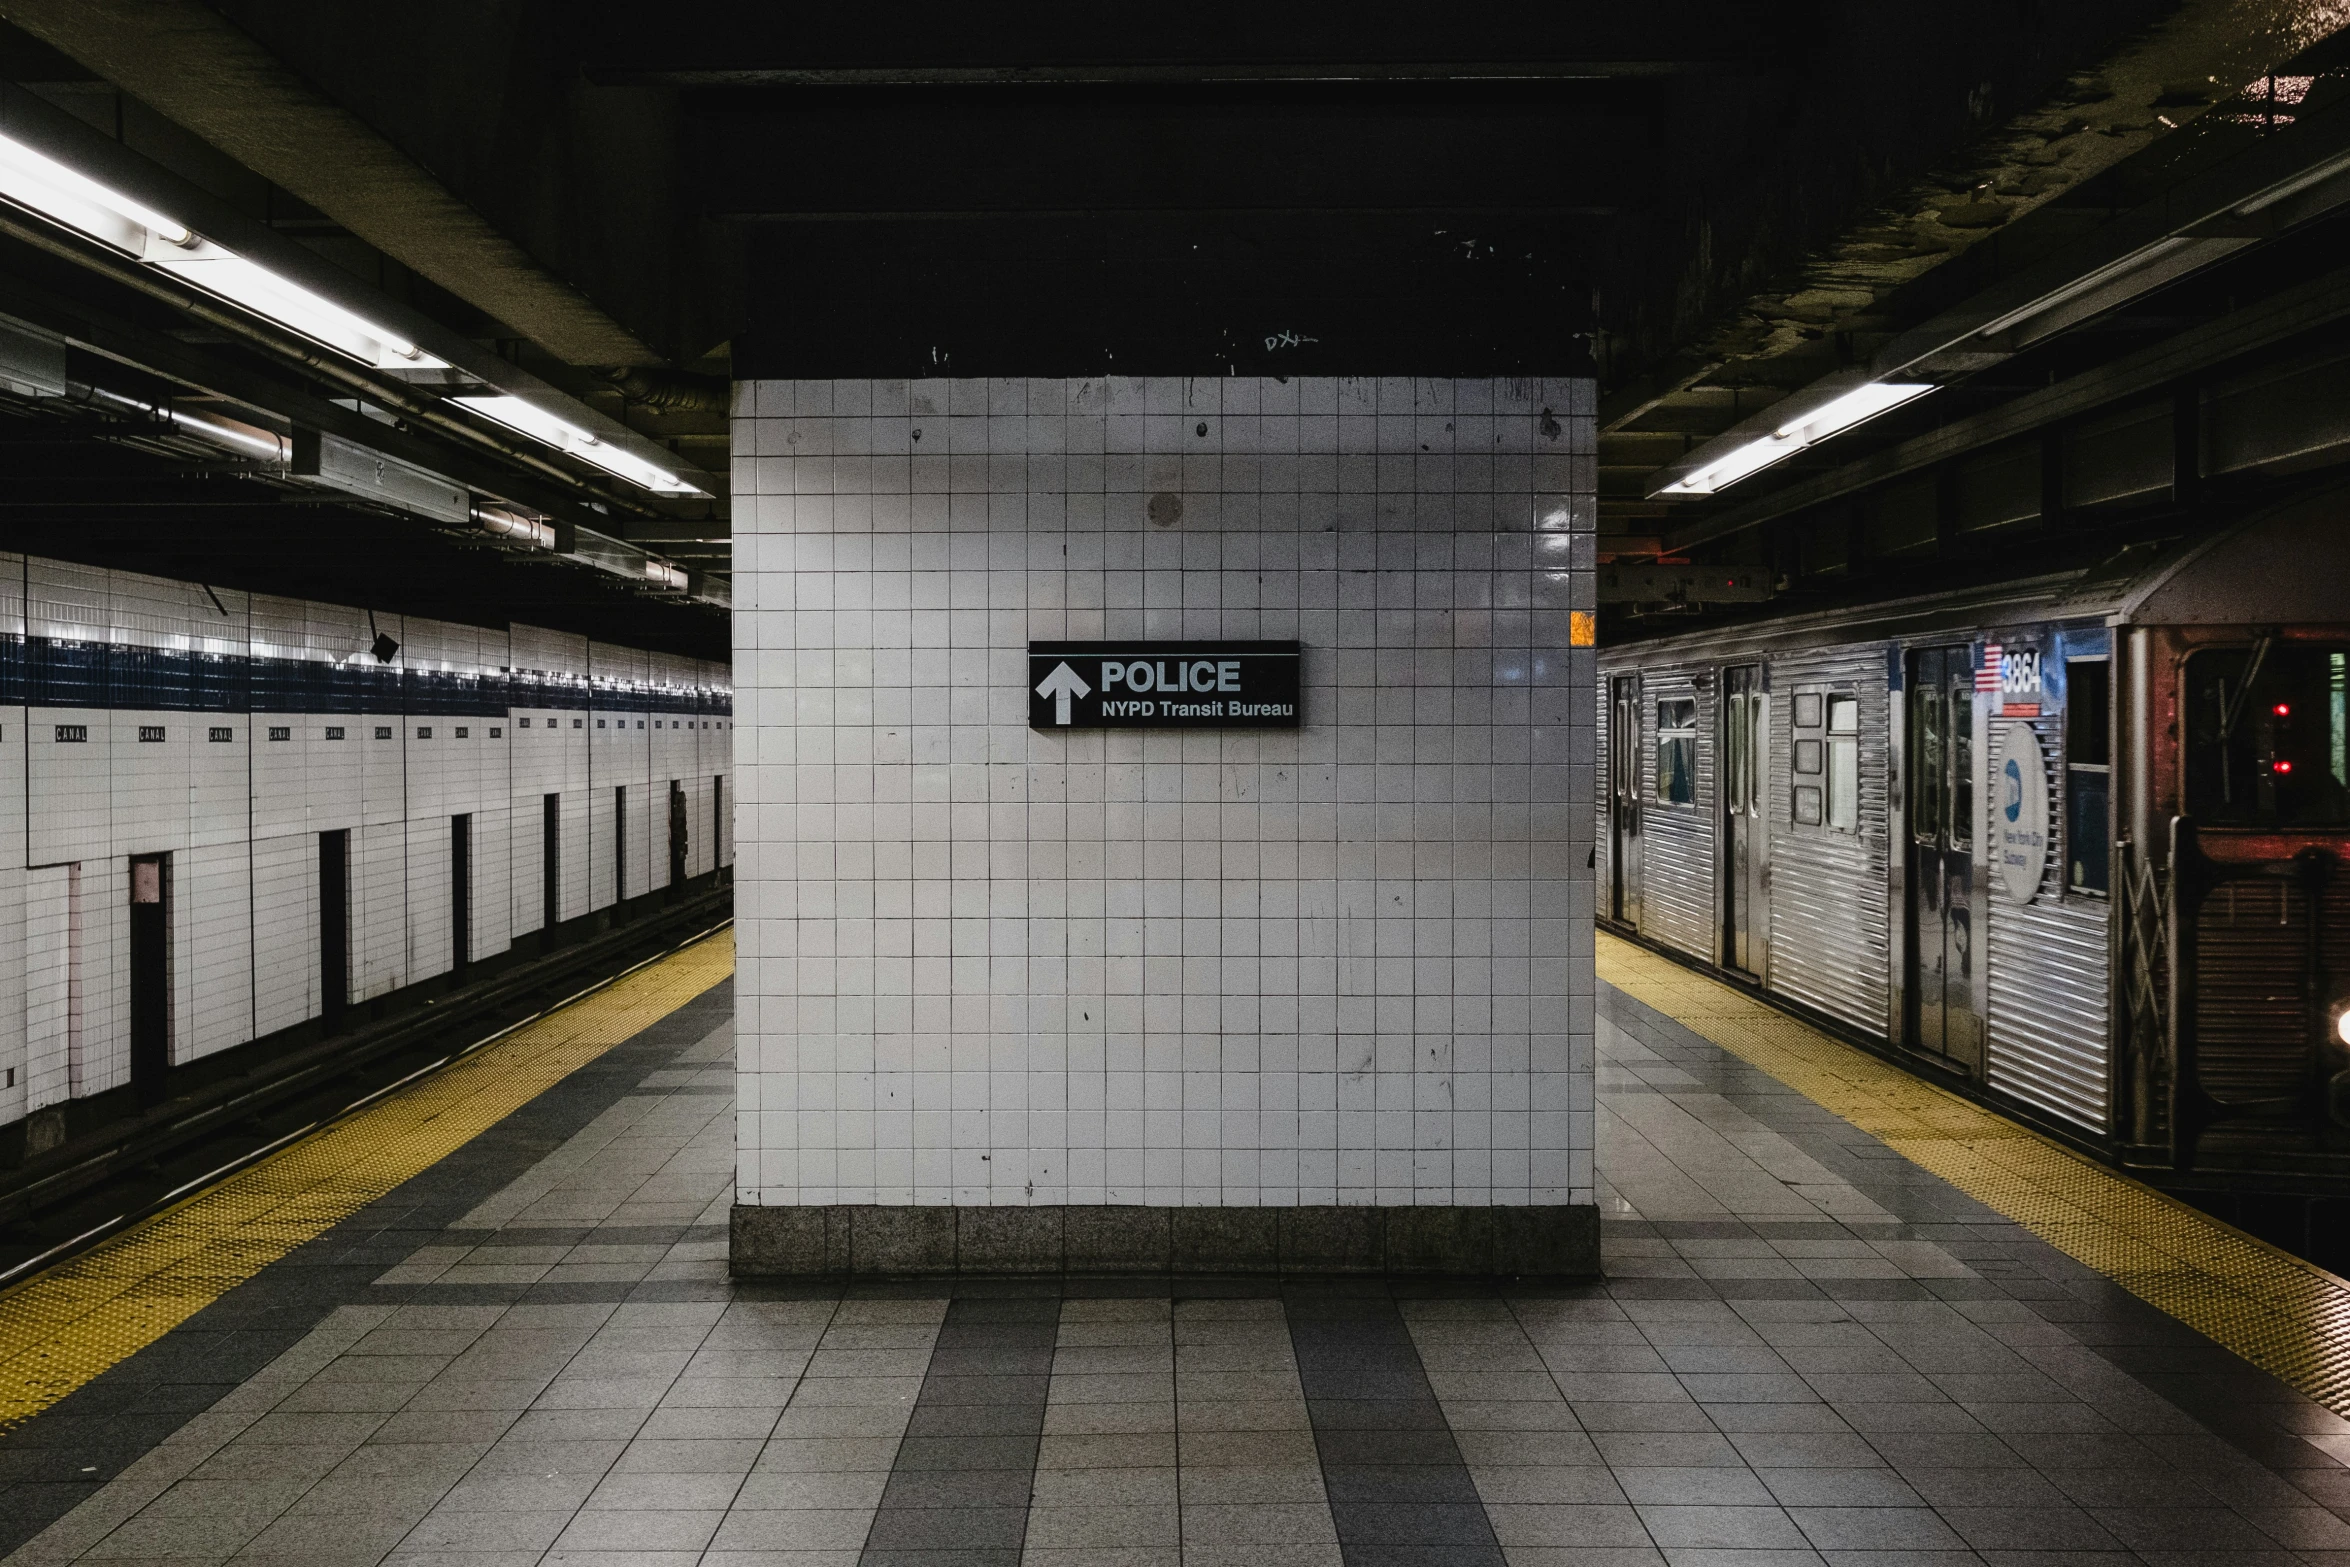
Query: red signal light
[[2283, 710], [2281, 767]]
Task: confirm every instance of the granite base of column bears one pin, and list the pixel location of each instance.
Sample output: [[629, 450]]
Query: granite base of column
[[849, 1240]]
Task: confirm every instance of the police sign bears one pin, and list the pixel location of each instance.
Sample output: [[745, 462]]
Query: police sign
[[1162, 685]]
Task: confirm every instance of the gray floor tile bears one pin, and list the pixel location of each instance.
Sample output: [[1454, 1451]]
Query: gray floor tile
[[640, 1530], [1725, 1528], [1659, 1422]]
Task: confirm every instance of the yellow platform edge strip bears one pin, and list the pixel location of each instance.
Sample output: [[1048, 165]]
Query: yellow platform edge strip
[[62, 1327], [2286, 1316]]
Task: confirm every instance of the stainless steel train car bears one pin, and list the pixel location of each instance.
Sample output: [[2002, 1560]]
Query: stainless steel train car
[[2079, 842]]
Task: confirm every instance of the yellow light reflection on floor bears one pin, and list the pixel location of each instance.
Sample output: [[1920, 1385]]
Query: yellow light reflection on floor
[[2286, 1316], [60, 1328]]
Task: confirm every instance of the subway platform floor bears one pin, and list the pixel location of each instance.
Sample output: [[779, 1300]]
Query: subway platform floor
[[1808, 1350]]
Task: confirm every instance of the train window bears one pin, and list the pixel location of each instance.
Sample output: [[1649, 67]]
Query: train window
[[1807, 710], [1844, 764], [1676, 752], [1808, 755], [2088, 716], [2267, 734], [1962, 773], [1807, 805], [1929, 761], [1735, 746], [2088, 757]]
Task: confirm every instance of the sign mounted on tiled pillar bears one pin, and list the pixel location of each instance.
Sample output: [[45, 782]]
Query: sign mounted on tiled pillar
[[1139, 990]]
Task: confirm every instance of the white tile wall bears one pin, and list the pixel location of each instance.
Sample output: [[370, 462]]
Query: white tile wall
[[982, 965], [379, 909], [620, 756], [492, 924], [14, 1059], [430, 647], [285, 922], [240, 819], [339, 635], [675, 761], [49, 1022], [68, 802], [212, 949], [291, 780], [539, 750], [15, 1065], [221, 796]]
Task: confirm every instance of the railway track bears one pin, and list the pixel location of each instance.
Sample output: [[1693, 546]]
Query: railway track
[[58, 1202]]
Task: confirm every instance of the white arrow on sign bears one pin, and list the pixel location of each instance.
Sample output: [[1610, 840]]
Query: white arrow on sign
[[1062, 684]]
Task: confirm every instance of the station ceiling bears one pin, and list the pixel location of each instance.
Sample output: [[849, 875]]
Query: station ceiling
[[1712, 205]]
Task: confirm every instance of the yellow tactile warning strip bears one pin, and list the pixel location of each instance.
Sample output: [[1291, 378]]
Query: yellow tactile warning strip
[[2284, 1315], [61, 1328]]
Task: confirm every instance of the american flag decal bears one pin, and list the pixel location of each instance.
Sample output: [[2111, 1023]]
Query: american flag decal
[[1987, 672]]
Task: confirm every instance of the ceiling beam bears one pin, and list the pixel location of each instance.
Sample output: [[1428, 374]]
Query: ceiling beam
[[667, 531], [2148, 84], [1113, 73], [2319, 303], [193, 66]]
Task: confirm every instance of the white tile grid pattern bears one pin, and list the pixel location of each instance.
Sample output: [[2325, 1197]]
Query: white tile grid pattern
[[676, 761], [51, 893], [15, 1066], [549, 755], [379, 909], [285, 919], [620, 758], [212, 947], [430, 646], [981, 965]]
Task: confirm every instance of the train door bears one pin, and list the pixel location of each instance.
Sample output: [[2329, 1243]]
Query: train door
[[1745, 725], [1941, 870], [1624, 801]]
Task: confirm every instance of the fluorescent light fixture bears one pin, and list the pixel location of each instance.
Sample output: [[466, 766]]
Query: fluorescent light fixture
[[530, 419], [1752, 458], [219, 270], [663, 575], [1857, 406], [2316, 174], [36, 180], [2137, 260], [516, 413]]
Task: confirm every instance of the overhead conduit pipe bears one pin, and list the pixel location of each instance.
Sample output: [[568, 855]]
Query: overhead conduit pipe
[[287, 345], [268, 447], [499, 522], [246, 440]]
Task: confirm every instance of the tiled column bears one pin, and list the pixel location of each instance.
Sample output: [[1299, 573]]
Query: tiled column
[[1112, 1000]]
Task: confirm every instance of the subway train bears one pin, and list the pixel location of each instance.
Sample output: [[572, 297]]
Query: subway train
[[227, 815], [2077, 844]]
